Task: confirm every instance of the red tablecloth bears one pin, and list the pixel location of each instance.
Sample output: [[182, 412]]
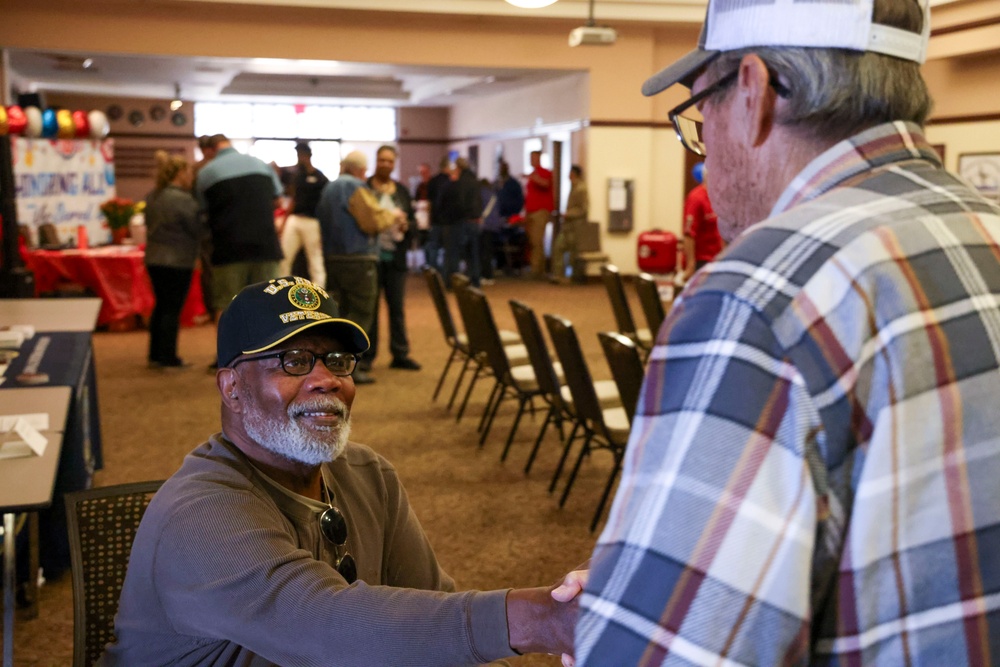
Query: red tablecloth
[[117, 274]]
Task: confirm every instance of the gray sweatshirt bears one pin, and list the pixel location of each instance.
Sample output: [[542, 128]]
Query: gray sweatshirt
[[227, 570]]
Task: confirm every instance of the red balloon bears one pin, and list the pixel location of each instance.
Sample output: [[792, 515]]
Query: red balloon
[[81, 125], [16, 120]]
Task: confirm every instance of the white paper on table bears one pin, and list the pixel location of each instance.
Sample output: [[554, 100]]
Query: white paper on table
[[38, 420], [31, 442], [27, 329], [11, 339]]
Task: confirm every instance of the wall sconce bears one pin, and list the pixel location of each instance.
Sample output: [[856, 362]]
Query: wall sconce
[[176, 103]]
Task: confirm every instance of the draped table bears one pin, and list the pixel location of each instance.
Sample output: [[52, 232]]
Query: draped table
[[116, 274]]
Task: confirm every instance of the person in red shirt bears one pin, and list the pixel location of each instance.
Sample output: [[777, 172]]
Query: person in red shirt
[[702, 241], [538, 205]]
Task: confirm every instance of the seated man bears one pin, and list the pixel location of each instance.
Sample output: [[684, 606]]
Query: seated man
[[281, 542]]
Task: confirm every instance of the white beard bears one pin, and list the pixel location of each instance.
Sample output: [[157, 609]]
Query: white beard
[[294, 442]]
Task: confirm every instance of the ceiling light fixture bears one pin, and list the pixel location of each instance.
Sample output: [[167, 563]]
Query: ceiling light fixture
[[531, 4], [176, 103]]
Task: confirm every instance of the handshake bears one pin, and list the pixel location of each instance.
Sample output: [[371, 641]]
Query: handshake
[[542, 620]]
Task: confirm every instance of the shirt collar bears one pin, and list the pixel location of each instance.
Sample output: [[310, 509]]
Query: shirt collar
[[866, 151]]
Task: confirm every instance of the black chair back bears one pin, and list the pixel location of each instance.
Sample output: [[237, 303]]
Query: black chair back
[[615, 288], [575, 369], [102, 523], [435, 285], [538, 353], [626, 368], [652, 305]]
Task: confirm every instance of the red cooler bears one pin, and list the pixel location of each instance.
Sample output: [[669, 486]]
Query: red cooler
[[657, 251]]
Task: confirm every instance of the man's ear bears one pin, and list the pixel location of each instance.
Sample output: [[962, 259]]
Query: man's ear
[[757, 99], [226, 381]]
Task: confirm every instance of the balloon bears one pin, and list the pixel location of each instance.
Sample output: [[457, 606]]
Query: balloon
[[50, 126], [3, 121], [698, 172], [99, 127], [34, 127], [81, 126], [64, 119], [16, 120]]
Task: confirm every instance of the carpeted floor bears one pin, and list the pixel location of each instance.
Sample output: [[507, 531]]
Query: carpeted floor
[[491, 525]]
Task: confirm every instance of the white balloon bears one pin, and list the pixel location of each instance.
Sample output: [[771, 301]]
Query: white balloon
[[34, 126], [99, 127]]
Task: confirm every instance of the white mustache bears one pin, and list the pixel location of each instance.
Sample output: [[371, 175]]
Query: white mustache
[[328, 404]]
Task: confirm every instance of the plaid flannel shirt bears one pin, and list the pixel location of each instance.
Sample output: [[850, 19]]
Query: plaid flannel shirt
[[813, 475]]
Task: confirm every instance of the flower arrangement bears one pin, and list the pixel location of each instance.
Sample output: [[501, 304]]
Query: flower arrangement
[[118, 211]]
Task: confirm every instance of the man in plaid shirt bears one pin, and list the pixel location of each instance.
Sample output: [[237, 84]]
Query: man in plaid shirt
[[813, 475]]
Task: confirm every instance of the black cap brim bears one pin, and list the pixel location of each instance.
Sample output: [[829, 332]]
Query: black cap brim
[[347, 333], [684, 72]]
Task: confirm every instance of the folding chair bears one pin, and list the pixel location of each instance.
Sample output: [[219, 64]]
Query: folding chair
[[549, 376], [603, 428], [652, 305], [458, 343], [615, 288], [626, 368], [102, 523]]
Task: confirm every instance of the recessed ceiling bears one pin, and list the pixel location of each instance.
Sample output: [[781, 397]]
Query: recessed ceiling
[[261, 79]]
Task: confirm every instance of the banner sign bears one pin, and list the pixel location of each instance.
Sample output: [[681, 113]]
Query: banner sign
[[64, 182]]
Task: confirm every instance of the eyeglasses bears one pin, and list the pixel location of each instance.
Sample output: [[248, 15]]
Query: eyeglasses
[[334, 528], [689, 130], [301, 362]]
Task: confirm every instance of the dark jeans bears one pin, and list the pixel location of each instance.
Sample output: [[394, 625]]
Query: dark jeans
[[391, 285], [170, 286], [489, 240], [352, 280], [433, 245], [461, 242]]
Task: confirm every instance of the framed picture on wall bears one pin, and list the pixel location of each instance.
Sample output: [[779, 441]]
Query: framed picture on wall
[[982, 171]]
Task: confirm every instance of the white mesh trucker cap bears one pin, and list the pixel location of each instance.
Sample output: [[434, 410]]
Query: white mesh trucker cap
[[834, 24]]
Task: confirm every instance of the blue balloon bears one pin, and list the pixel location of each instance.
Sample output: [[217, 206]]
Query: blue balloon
[[698, 171], [50, 126]]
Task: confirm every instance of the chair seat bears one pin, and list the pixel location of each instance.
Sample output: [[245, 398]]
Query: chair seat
[[525, 378], [517, 355], [616, 421], [508, 337], [607, 394], [643, 338]]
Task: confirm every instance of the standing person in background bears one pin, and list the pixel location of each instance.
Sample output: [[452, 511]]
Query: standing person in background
[[489, 234], [538, 206], [702, 241], [392, 246], [174, 231], [350, 219], [812, 474], [208, 145], [510, 201], [239, 193], [421, 205], [301, 227], [567, 241], [437, 195], [463, 209]]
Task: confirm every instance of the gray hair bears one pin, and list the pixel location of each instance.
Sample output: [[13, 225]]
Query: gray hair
[[354, 160], [836, 93]]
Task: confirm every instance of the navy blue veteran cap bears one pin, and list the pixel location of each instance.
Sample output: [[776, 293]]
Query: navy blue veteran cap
[[264, 314]]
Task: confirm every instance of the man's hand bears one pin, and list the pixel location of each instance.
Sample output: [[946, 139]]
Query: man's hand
[[401, 220], [542, 620]]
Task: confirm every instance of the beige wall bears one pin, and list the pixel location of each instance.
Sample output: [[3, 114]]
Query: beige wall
[[959, 138]]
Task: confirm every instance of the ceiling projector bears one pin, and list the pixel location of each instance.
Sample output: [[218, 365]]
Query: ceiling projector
[[592, 34]]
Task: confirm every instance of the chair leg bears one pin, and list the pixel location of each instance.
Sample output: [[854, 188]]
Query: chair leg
[[541, 434], [491, 412], [489, 406], [468, 392], [576, 468], [562, 459], [458, 383], [513, 429], [607, 488], [437, 389]]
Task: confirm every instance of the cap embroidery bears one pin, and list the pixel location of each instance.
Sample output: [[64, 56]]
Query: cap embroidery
[[304, 297]]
